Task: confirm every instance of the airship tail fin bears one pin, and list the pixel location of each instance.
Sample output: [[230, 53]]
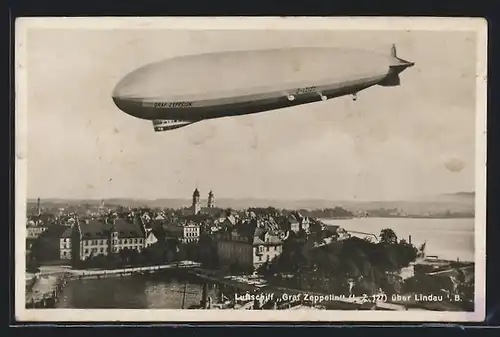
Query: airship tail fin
[[397, 62], [397, 65], [394, 52]]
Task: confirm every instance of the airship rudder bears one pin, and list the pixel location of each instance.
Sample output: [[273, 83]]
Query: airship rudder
[[396, 66]]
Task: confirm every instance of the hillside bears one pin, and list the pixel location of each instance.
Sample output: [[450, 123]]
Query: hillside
[[462, 202]]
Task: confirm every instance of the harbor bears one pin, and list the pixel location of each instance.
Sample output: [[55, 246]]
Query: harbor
[[43, 289], [193, 287]]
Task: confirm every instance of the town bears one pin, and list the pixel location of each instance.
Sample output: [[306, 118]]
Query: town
[[258, 247]]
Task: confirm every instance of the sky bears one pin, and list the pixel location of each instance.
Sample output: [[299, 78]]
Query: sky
[[392, 143]]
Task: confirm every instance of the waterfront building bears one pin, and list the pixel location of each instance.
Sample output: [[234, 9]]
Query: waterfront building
[[65, 243], [103, 237], [248, 245]]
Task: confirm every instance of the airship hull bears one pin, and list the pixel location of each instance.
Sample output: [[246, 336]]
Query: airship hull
[[178, 92], [241, 105]]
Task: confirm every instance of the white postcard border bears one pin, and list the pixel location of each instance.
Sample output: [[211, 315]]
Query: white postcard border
[[479, 25]]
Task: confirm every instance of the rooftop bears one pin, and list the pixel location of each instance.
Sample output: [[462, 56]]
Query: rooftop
[[98, 229]]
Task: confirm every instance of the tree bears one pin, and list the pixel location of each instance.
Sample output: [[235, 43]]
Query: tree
[[391, 284], [406, 253], [351, 269], [388, 236]]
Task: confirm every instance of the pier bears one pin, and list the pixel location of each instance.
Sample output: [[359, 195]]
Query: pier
[[100, 273]]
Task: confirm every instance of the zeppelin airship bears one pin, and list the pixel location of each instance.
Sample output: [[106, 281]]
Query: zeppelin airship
[[184, 90]]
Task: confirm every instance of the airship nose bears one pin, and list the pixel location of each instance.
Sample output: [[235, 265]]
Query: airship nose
[[120, 103], [128, 98], [123, 104], [132, 107]]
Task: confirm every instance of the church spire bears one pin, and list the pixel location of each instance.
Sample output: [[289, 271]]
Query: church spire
[[196, 202], [211, 200], [38, 208]]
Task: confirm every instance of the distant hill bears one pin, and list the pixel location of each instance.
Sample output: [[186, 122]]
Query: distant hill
[[454, 202], [458, 197]]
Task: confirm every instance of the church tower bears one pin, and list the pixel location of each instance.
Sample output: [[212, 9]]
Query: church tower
[[196, 202], [38, 208], [211, 200]]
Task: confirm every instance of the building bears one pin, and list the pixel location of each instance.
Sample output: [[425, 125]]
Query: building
[[290, 223], [296, 223], [150, 239], [186, 232], [34, 231], [101, 237], [191, 232], [211, 200], [65, 244], [248, 246], [304, 223], [44, 243], [196, 207]]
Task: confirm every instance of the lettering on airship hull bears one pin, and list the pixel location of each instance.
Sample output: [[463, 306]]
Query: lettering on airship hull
[[172, 104], [306, 90]]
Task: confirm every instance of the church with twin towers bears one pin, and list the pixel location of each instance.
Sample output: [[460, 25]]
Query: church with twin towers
[[196, 205]]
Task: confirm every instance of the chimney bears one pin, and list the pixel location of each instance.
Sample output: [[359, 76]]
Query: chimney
[[409, 239]]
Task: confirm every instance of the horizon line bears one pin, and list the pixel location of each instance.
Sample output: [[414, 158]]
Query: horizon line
[[416, 198]]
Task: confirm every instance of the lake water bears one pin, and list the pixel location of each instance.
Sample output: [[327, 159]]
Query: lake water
[[446, 238], [159, 291]]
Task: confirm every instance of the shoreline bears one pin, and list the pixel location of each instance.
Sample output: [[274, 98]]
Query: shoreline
[[399, 217]]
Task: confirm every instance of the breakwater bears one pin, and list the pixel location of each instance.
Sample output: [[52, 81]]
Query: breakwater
[[101, 273]]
